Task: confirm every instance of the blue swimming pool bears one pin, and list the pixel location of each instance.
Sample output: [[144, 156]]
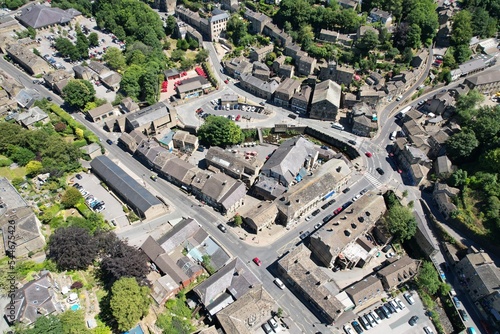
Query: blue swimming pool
[[75, 307]]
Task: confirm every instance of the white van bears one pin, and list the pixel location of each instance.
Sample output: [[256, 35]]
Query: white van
[[279, 283], [393, 135], [338, 126]]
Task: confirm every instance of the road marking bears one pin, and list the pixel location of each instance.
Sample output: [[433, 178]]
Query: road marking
[[373, 180]]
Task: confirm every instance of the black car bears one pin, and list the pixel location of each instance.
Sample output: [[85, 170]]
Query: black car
[[413, 320], [49, 98], [76, 185], [347, 204], [327, 218], [357, 327], [346, 190], [109, 141], [316, 212], [380, 171], [327, 204], [78, 176], [222, 228], [352, 142], [390, 308]]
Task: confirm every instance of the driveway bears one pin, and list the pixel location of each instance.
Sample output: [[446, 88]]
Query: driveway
[[114, 208]]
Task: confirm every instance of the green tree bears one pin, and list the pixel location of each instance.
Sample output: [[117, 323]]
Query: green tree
[[414, 36], [462, 53], [34, 168], [66, 48], [21, 155], [177, 55], [182, 44], [483, 24], [368, 42], [461, 145], [236, 29], [238, 221], [449, 58], [73, 322], [202, 56], [129, 302], [71, 197], [220, 131], [170, 25], [78, 93], [461, 31], [93, 39], [187, 64], [466, 105], [428, 278], [130, 81], [114, 58], [459, 178], [49, 324], [401, 222]]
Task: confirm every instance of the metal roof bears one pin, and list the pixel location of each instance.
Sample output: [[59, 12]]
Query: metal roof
[[123, 184]]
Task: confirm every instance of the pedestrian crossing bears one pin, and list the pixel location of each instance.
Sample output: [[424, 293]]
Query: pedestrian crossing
[[373, 180]]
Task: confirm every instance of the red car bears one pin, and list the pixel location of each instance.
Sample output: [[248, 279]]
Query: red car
[[368, 154], [337, 211], [257, 261], [238, 118], [226, 81]]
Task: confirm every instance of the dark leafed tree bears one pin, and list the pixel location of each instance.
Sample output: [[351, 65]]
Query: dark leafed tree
[[72, 248], [121, 260]]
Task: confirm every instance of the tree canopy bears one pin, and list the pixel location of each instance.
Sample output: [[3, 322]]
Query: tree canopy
[[401, 222], [461, 145], [220, 131], [71, 197], [78, 93], [72, 248], [428, 278], [129, 302]]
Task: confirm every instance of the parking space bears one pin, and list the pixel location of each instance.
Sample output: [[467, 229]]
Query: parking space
[[238, 113], [113, 211], [106, 39], [399, 322]]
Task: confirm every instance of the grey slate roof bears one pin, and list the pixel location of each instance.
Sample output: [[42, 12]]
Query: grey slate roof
[[181, 232], [289, 157], [39, 16], [123, 184], [148, 114], [327, 90], [235, 277]]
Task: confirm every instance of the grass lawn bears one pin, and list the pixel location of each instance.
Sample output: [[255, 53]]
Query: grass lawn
[[12, 173]]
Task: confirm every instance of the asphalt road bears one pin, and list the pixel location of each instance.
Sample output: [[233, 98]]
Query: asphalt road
[[182, 206]]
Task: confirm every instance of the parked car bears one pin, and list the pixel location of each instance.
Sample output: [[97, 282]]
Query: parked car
[[357, 327], [346, 190], [375, 317], [355, 198], [364, 322], [385, 311], [267, 328], [413, 320], [395, 306], [368, 154], [304, 235], [409, 298], [457, 302], [371, 319], [428, 330], [317, 226], [352, 142], [464, 315], [400, 303], [327, 204], [279, 283], [348, 329], [109, 141], [380, 313], [327, 219], [315, 212], [308, 218], [273, 323], [78, 176], [390, 307]]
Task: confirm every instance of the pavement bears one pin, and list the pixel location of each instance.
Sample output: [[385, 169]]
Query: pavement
[[366, 177]]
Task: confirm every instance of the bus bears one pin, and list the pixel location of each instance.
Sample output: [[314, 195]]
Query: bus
[[403, 112]]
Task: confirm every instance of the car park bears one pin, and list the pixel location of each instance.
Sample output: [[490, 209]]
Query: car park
[[409, 298], [222, 228], [315, 212], [413, 320]]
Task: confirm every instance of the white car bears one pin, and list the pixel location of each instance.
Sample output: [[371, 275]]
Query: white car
[[375, 317], [348, 329], [355, 198], [308, 218], [400, 303]]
